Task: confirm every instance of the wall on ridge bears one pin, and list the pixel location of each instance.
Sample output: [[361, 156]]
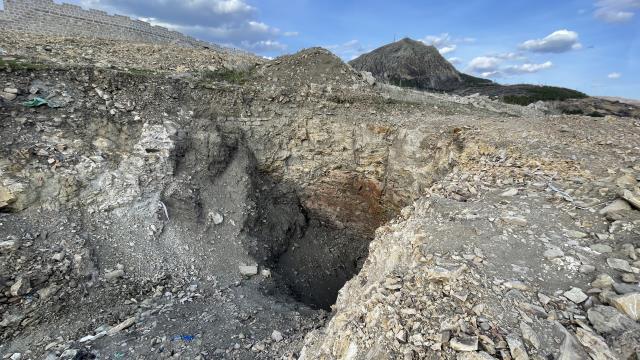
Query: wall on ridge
[[47, 17]]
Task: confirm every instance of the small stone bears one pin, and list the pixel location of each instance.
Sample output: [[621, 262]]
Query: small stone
[[603, 281], [122, 326], [510, 193], [606, 320], [544, 299], [518, 285], [553, 253], [217, 218], [631, 198], [48, 292], [628, 304], [8, 96], [20, 287], [8, 246], [624, 289], [629, 251], [467, 343], [266, 273], [69, 354], [529, 335], [11, 90], [617, 205], [619, 264], [401, 336], [626, 180], [515, 220], [114, 275], [440, 274], [574, 234], [481, 355], [629, 278], [576, 295], [570, 348], [16, 356], [276, 336], [248, 270], [594, 344], [87, 339], [516, 347], [601, 248], [587, 269], [57, 257]]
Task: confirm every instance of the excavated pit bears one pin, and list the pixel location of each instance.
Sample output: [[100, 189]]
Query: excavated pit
[[312, 247]]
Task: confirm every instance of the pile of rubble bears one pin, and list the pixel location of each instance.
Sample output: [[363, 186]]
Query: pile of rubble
[[138, 57]]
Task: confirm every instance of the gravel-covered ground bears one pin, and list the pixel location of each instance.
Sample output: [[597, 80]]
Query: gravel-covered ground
[[212, 206]]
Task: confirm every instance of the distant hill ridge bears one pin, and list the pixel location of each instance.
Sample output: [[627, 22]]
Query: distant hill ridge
[[411, 63]]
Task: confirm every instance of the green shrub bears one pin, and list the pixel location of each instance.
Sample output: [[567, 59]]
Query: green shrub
[[20, 65], [543, 93], [231, 76]]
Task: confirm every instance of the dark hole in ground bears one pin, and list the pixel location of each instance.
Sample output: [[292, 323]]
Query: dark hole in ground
[[317, 265], [311, 254]]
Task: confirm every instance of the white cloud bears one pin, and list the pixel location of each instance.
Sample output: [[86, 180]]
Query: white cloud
[[484, 64], [448, 49], [445, 43], [616, 11], [614, 75], [455, 60], [557, 42], [491, 74], [493, 67], [527, 68], [226, 22], [509, 56]]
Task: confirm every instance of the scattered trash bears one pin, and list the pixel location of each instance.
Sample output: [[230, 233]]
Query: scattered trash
[[185, 338], [35, 102]]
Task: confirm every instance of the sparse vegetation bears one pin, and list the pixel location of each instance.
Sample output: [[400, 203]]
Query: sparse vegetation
[[237, 77], [20, 65], [543, 93]]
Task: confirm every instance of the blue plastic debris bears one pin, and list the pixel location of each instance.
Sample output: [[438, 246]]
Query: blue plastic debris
[[185, 338]]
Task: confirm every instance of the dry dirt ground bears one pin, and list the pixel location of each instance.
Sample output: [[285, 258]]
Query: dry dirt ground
[[217, 211]]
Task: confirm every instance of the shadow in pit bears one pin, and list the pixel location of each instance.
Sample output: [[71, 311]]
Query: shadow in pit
[[311, 254]]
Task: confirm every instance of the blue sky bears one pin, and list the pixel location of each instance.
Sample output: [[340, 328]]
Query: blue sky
[[589, 45]]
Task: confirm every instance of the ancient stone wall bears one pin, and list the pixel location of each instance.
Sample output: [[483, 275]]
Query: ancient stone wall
[[47, 17]]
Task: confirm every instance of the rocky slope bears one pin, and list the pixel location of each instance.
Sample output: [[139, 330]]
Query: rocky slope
[[216, 213], [411, 63]]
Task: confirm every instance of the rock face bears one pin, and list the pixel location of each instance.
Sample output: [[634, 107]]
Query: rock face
[[410, 63]]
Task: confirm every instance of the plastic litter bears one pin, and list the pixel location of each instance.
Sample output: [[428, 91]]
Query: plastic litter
[[35, 102], [185, 338]]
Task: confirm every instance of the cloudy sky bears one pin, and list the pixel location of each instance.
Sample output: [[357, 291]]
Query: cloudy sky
[[589, 45]]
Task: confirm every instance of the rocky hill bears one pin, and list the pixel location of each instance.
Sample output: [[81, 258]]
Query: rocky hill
[[215, 206], [411, 63]]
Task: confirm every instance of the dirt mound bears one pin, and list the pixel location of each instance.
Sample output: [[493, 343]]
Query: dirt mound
[[135, 57], [310, 67]]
